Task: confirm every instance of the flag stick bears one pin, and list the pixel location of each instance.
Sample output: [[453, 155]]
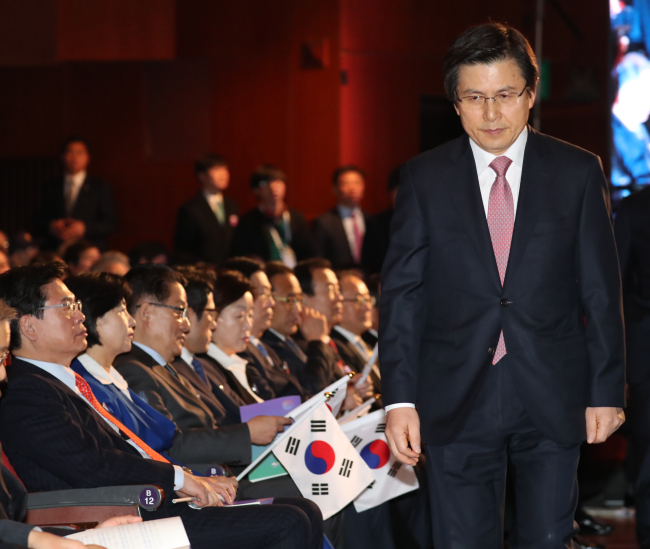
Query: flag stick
[[315, 401], [278, 440], [366, 369], [352, 415]]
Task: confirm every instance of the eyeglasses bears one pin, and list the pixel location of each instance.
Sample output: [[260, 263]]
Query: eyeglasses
[[290, 301], [361, 300], [179, 312], [477, 101], [212, 313], [70, 307]]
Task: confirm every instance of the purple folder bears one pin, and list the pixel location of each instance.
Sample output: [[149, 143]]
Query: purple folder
[[275, 407]]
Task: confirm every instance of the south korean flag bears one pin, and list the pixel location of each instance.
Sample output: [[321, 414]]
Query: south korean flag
[[392, 478], [322, 462]]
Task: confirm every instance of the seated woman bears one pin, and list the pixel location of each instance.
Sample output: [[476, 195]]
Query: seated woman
[[233, 301], [110, 333]]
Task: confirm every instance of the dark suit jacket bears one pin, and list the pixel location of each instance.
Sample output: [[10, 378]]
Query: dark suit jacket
[[443, 307], [200, 440], [220, 377], [375, 241], [216, 388], [94, 206], [252, 237], [330, 240], [316, 372], [13, 507], [632, 229], [55, 441], [281, 382], [199, 236]]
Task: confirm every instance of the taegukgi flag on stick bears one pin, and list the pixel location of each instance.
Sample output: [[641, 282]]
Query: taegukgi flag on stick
[[322, 462], [336, 391], [392, 478]]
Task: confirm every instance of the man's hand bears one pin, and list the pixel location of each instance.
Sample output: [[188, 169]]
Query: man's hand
[[203, 492], [224, 486], [402, 430], [365, 390], [119, 521], [43, 540], [73, 230], [264, 428], [352, 399], [602, 422], [313, 325], [57, 226]]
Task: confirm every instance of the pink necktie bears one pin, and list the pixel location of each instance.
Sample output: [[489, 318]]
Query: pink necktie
[[501, 220]]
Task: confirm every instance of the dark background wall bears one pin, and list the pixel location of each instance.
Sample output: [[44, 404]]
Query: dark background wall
[[304, 85]]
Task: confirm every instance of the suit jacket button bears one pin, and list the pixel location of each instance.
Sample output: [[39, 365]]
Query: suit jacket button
[[504, 302], [490, 351]]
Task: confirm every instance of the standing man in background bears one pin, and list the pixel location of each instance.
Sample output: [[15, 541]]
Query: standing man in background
[[501, 329], [338, 233], [78, 205], [206, 222]]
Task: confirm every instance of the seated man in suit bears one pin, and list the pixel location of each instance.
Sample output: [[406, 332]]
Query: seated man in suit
[[375, 241], [76, 205], [356, 319], [339, 233], [205, 223], [57, 436], [159, 306], [260, 356], [272, 231], [316, 366]]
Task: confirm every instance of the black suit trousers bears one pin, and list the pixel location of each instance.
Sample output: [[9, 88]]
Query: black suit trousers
[[289, 523], [467, 476], [638, 415]]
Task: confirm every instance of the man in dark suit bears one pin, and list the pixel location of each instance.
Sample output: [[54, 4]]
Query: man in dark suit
[[272, 231], [77, 205], [493, 365], [632, 229], [205, 223], [260, 356], [57, 436], [159, 336], [375, 241], [339, 233]]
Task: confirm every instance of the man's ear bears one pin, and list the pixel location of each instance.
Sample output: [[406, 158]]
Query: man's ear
[[28, 327]]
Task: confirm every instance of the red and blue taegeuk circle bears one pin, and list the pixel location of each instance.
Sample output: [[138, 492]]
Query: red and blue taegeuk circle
[[319, 457], [376, 454]]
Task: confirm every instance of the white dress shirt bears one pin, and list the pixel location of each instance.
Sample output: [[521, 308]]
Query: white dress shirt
[[486, 178], [257, 344], [66, 375], [235, 364], [72, 186]]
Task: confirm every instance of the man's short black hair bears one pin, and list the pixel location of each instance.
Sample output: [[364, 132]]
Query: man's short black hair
[[99, 293], [22, 289], [74, 139], [304, 272], [487, 44], [73, 253], [265, 174], [274, 268], [229, 287], [145, 252], [153, 281], [198, 285], [338, 172], [245, 265], [209, 161]]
